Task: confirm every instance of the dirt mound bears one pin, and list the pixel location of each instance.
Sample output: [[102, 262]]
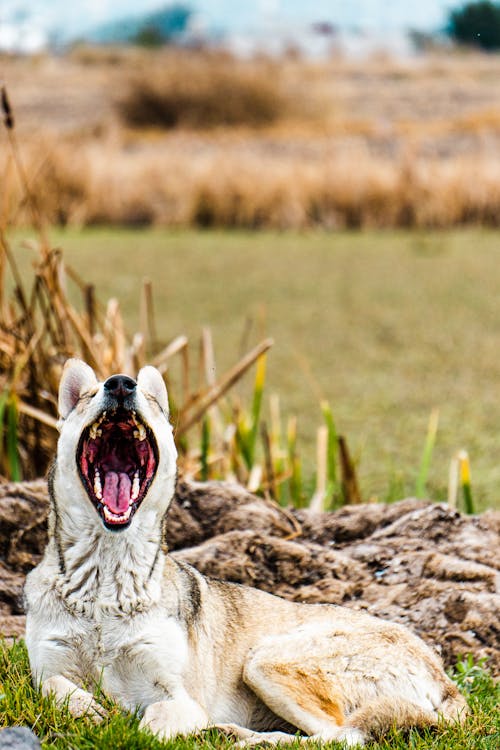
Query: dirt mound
[[413, 562]]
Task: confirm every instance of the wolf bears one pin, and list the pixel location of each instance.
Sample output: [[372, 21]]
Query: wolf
[[108, 606]]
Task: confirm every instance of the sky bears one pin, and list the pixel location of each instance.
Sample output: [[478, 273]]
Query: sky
[[73, 17]]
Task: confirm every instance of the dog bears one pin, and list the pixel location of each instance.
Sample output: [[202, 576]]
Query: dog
[[108, 606]]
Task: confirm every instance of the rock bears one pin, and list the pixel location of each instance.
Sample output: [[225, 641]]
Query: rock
[[18, 738]]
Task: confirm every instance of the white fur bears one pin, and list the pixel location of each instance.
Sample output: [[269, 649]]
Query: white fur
[[77, 378], [107, 573]]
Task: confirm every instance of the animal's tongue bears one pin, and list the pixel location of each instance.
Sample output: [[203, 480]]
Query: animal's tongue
[[116, 492]]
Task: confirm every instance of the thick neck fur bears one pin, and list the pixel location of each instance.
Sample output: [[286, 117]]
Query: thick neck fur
[[101, 570]]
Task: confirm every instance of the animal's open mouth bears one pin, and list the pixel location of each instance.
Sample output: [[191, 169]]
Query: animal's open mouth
[[117, 459]]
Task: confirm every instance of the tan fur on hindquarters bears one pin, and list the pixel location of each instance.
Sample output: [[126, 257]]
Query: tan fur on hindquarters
[[107, 605]]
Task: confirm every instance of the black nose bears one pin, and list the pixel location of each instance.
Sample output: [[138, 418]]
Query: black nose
[[120, 386]]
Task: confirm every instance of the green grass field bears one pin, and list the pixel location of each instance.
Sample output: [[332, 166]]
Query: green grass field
[[20, 704], [386, 326]]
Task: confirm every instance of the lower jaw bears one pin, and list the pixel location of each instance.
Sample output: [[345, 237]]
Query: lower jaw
[[115, 525], [117, 519]]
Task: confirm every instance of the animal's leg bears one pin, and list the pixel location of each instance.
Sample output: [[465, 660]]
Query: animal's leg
[[377, 716], [248, 737], [174, 716], [79, 701], [235, 731], [268, 738], [300, 694]]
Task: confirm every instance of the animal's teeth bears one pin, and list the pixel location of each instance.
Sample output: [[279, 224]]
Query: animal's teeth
[[115, 516], [140, 433], [136, 486], [97, 485], [94, 428]]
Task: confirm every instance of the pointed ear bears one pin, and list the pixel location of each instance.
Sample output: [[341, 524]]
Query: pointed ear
[[151, 381], [76, 378]]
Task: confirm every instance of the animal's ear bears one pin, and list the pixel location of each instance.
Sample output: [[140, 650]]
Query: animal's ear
[[151, 381], [76, 378]]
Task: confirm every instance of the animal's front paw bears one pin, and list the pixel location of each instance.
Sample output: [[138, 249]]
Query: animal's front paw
[[351, 737], [346, 736], [78, 701], [234, 731], [80, 705], [154, 721], [254, 739], [173, 717]]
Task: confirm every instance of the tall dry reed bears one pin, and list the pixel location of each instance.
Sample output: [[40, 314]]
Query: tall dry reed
[[41, 326], [227, 185]]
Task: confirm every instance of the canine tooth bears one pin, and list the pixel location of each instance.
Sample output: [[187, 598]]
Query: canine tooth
[[140, 433], [97, 485], [136, 486], [94, 428]]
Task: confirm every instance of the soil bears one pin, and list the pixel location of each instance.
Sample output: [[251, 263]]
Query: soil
[[414, 562]]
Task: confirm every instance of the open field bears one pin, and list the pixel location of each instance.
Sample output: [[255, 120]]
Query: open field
[[374, 143], [386, 326]]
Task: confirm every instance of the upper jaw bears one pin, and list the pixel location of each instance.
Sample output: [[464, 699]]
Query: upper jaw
[[117, 458]]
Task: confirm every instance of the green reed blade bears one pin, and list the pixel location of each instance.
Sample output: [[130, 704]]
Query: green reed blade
[[423, 474]]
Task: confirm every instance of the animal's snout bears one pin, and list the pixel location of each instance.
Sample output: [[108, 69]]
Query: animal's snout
[[120, 386]]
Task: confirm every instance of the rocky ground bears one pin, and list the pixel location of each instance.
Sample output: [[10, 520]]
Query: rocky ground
[[414, 562]]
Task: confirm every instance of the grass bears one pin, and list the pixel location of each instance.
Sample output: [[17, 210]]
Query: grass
[[367, 344], [203, 90], [385, 326], [230, 178], [256, 143], [21, 705]]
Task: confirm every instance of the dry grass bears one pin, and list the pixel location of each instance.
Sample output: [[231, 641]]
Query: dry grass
[[393, 146], [195, 90], [376, 144], [222, 184], [40, 327]]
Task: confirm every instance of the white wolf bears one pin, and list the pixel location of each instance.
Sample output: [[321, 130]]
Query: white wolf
[[108, 605]]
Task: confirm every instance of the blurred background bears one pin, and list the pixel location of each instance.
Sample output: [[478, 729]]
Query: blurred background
[[326, 173]]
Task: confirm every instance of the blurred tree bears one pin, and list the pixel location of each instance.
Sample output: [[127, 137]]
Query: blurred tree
[[163, 26], [476, 23], [149, 36]]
